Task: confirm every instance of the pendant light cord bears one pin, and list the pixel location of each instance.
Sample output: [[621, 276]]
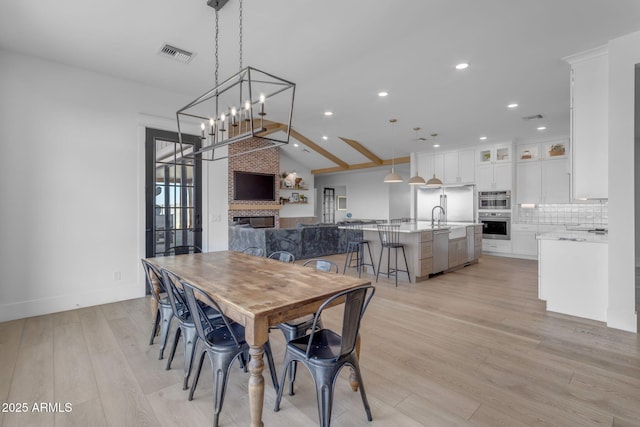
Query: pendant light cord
[[216, 49], [240, 35]]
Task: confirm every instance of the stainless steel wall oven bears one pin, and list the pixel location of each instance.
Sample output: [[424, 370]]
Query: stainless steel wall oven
[[495, 225]]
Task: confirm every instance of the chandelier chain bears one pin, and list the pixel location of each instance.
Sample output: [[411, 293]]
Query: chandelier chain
[[240, 34], [216, 50]]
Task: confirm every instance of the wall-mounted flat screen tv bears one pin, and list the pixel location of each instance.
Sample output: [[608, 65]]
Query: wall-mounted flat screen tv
[[254, 186]]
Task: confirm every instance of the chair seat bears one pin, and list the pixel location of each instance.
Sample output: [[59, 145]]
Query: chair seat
[[300, 321], [326, 345], [220, 338], [392, 245]]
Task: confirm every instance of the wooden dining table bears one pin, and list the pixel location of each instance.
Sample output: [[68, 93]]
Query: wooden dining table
[[258, 293]]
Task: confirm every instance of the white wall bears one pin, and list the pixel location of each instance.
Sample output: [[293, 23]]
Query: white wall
[[368, 197], [624, 54], [72, 185]]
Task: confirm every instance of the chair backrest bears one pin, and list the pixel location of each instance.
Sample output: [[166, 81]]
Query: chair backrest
[[154, 280], [354, 232], [355, 304], [253, 250], [389, 234], [283, 256], [203, 323], [176, 296], [322, 265], [183, 250]]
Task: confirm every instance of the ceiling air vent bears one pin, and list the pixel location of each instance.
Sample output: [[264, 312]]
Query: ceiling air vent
[[176, 53], [534, 117]]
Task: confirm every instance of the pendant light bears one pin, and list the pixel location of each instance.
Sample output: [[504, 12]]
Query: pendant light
[[417, 179], [434, 182], [393, 177]]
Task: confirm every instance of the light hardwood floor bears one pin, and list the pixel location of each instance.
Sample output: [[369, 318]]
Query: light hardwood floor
[[472, 347]]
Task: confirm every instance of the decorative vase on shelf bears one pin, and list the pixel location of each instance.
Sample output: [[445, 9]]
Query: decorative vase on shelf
[[298, 182]]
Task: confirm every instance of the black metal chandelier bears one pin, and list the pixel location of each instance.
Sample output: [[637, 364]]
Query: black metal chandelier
[[250, 104]]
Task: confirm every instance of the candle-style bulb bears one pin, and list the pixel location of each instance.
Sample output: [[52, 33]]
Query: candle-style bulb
[[247, 105], [233, 111], [223, 117], [262, 113], [202, 130]]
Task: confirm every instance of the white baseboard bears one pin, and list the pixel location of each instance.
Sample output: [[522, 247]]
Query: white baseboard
[[625, 321], [38, 307]]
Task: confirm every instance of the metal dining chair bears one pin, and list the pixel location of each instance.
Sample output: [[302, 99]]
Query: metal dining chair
[[283, 256], [299, 327], [322, 265], [325, 353], [253, 250], [222, 341], [164, 312], [183, 250], [186, 327]]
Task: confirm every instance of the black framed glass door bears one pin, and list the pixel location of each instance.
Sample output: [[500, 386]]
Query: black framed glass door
[[328, 205], [173, 195]]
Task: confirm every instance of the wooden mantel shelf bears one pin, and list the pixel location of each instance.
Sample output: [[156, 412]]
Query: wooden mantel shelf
[[254, 207]]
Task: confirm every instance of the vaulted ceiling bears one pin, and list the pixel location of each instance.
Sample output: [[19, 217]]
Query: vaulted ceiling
[[341, 54]]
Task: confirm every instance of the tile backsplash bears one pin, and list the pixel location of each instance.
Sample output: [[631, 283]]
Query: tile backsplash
[[596, 215]]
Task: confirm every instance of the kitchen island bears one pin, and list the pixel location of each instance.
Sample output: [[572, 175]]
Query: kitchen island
[[573, 273], [430, 250]]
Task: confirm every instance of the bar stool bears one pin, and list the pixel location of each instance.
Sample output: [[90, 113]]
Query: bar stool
[[355, 245], [390, 239]]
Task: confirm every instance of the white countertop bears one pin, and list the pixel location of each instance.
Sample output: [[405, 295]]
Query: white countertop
[[420, 226], [575, 236]]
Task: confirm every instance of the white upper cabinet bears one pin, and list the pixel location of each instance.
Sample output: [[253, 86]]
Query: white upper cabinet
[[426, 162], [459, 167], [494, 167], [542, 173], [589, 123]]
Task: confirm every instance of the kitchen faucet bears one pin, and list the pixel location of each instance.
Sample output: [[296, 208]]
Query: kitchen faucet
[[433, 214]]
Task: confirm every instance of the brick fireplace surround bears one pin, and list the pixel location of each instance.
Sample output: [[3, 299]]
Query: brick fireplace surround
[[261, 161]]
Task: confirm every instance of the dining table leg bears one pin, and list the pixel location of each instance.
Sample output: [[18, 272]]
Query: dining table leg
[[256, 384]]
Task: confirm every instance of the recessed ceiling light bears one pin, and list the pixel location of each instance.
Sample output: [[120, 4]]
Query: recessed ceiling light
[[328, 113], [295, 144], [325, 137], [542, 128], [462, 66], [383, 94], [483, 138], [436, 145], [514, 105]]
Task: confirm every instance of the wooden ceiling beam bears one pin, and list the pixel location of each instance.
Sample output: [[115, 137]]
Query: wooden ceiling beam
[[271, 127], [362, 150], [388, 162], [318, 149]]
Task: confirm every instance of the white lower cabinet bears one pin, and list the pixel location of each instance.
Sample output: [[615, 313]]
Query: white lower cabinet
[[497, 246], [523, 237]]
